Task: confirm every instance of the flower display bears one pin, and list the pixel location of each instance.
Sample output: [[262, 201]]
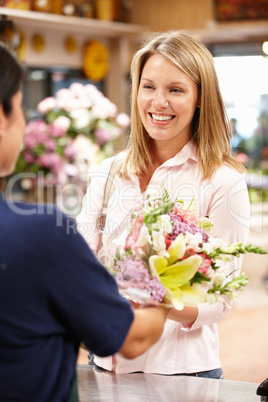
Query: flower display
[[46, 148], [169, 256], [76, 129]]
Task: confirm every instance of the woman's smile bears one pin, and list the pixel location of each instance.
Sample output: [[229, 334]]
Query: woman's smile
[[161, 118]]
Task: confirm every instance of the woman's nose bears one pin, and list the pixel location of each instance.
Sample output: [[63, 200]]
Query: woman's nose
[[160, 100]]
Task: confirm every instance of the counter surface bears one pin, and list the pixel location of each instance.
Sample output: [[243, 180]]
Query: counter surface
[[100, 386]]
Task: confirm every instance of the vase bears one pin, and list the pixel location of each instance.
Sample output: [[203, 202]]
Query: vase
[[105, 10], [56, 6]]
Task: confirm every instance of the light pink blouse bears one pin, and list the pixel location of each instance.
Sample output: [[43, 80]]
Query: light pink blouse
[[224, 198]]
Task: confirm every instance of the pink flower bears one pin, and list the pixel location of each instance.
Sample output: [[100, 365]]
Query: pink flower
[[36, 126], [70, 151], [30, 141], [50, 145], [184, 215], [133, 237], [168, 241], [103, 108], [93, 93], [46, 105], [67, 103], [35, 133], [77, 89], [242, 158], [55, 131], [60, 126], [205, 264], [29, 158], [64, 93], [51, 161], [102, 136], [123, 120]]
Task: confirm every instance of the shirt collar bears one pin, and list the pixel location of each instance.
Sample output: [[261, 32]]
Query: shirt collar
[[2, 197], [189, 151]]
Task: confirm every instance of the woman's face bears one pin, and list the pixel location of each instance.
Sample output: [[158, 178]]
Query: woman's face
[[167, 100], [12, 129]]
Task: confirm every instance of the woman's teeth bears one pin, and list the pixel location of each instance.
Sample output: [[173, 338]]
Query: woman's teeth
[[161, 118]]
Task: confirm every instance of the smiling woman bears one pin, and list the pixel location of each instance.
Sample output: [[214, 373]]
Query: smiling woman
[[179, 140]]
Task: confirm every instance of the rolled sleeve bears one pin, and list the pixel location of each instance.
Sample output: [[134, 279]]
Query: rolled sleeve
[[209, 314]]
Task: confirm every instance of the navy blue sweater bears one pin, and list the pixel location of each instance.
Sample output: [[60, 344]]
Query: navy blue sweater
[[53, 295]]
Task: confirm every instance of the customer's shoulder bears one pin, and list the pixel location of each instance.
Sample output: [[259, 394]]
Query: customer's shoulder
[[29, 215]]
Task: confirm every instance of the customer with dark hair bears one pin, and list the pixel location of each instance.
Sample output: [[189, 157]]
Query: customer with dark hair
[[53, 292]]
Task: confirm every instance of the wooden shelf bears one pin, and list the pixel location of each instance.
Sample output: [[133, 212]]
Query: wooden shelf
[[72, 24], [233, 32]]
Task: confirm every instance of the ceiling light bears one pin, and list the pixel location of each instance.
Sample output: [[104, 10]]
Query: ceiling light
[[265, 47]]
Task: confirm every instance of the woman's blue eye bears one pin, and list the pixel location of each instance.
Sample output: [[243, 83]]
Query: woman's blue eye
[[176, 90]]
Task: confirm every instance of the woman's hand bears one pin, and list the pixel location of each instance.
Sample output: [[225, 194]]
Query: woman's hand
[[187, 316]]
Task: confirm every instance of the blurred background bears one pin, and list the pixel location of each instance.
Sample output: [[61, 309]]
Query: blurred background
[[91, 43]]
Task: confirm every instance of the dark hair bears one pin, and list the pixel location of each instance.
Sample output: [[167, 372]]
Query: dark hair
[[11, 77]]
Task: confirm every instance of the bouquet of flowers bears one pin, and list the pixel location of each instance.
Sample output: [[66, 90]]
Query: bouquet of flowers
[[170, 257], [77, 128]]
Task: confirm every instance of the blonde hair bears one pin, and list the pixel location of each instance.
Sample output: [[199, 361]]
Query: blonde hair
[[211, 129]]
